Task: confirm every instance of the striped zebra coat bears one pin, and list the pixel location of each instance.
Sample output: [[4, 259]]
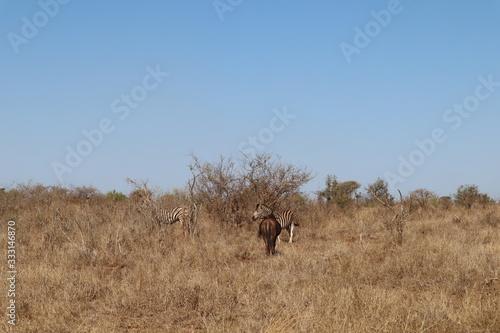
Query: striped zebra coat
[[287, 220], [171, 216], [165, 216]]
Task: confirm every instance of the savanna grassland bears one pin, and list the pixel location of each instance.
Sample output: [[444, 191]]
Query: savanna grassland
[[95, 266]]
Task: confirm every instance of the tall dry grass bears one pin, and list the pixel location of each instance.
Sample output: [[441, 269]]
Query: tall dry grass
[[95, 267]]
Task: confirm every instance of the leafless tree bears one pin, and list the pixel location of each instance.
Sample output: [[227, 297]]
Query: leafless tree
[[229, 188], [399, 219], [272, 180]]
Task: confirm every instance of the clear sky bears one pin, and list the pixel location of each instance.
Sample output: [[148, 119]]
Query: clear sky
[[94, 92]]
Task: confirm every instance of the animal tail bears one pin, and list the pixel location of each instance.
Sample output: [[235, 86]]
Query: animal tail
[[270, 241]]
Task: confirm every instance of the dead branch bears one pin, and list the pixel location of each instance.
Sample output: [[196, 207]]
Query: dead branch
[[82, 250], [399, 219]]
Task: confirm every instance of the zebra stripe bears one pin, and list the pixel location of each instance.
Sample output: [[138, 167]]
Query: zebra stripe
[[287, 221], [171, 216], [160, 215]]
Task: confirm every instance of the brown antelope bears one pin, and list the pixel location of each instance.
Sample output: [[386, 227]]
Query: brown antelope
[[269, 227]]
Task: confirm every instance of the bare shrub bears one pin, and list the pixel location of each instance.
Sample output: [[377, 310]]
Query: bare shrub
[[221, 189], [271, 180], [229, 189], [397, 223], [86, 193]]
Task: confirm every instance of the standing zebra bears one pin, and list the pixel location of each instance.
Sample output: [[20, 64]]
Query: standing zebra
[[165, 216], [170, 216], [269, 228], [287, 221]]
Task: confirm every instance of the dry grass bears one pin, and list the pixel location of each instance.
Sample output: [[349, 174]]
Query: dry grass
[[94, 267]]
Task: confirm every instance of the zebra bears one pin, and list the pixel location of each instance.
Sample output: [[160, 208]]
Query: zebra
[[171, 216], [165, 216], [269, 228], [287, 221]]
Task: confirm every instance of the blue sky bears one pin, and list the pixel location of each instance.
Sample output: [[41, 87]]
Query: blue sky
[[408, 91]]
